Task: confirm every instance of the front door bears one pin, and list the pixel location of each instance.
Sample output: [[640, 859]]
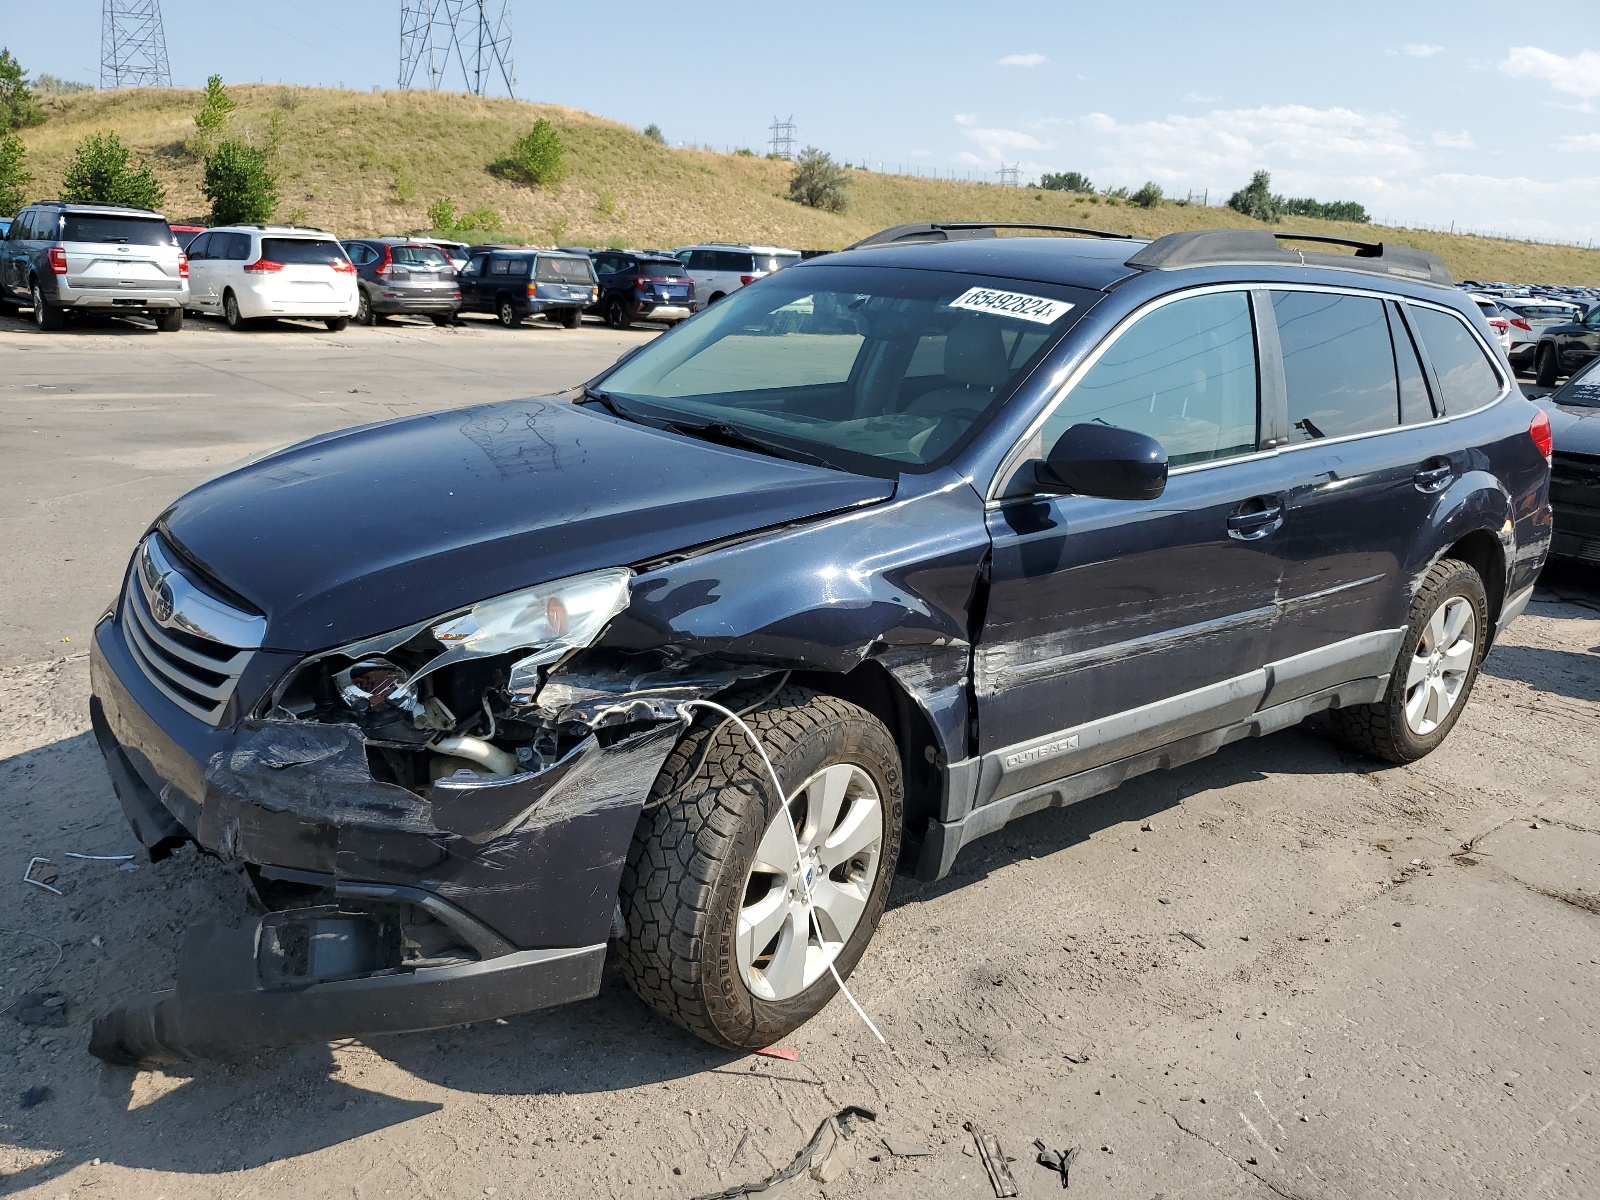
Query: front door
[[1115, 626]]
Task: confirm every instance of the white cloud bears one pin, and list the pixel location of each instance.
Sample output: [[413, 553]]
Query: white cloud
[[1022, 60], [1578, 75], [1199, 98], [1003, 145], [1420, 50], [1455, 141], [1579, 141], [965, 119]]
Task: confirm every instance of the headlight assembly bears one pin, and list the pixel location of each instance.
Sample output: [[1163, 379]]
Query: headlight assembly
[[550, 619]]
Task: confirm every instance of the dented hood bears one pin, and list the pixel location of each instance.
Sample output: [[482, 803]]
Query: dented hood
[[355, 533]]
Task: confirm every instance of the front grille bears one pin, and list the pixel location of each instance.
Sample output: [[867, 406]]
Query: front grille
[[197, 673], [1575, 470]]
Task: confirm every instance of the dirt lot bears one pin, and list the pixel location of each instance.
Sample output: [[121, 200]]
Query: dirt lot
[[1283, 971]]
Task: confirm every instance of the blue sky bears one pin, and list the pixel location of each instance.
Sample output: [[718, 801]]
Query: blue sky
[[1478, 113]]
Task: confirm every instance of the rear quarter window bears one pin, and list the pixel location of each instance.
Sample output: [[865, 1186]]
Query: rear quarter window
[[1467, 381], [1338, 364]]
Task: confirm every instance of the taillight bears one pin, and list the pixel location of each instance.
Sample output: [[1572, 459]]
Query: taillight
[[263, 266], [387, 265], [343, 266], [533, 289], [183, 265], [1499, 323], [1539, 431], [58, 260], [747, 280], [1521, 324]]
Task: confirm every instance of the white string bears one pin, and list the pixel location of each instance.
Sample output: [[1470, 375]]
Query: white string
[[794, 838]]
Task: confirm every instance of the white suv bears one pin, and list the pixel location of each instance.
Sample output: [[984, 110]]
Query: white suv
[[718, 268], [247, 272]]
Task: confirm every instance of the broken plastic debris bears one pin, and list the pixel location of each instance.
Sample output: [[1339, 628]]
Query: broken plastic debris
[[901, 1148], [782, 1052], [42, 873], [1192, 938], [829, 1153], [117, 858], [994, 1160], [1059, 1161]]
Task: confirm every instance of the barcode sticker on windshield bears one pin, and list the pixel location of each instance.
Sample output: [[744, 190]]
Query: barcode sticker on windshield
[[1012, 304]]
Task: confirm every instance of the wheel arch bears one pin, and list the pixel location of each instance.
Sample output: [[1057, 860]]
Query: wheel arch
[[1482, 551]]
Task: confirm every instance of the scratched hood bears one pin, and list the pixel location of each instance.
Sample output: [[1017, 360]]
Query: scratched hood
[[355, 533]]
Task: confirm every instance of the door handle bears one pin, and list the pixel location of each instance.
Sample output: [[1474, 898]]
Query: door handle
[[1255, 518], [1434, 475]]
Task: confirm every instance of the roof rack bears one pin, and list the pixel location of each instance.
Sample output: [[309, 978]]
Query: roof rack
[[1217, 247], [954, 231]]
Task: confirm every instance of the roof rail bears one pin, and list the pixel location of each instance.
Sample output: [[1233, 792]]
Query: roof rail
[[953, 231], [1232, 247]]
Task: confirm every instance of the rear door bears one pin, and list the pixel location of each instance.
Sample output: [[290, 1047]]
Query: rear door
[[202, 278], [13, 272], [1113, 626], [306, 273]]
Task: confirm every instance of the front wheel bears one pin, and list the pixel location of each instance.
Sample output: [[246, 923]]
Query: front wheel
[[1433, 676], [506, 313], [1545, 372], [718, 935]]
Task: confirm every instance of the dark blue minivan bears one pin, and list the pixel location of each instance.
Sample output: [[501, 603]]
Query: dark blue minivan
[[849, 570]]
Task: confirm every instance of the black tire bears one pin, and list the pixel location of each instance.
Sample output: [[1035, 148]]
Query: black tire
[[363, 307], [336, 324], [1545, 372], [506, 313], [687, 869], [1382, 729], [47, 317], [571, 318], [170, 321], [231, 314], [443, 320], [714, 298], [617, 314]]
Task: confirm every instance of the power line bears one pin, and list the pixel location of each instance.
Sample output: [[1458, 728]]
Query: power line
[[783, 138], [133, 45], [474, 35]]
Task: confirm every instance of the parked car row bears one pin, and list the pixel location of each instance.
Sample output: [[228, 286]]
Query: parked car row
[[1547, 329]]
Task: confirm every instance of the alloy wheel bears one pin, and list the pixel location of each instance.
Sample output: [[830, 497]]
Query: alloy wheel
[[783, 944], [38, 307], [1441, 664]]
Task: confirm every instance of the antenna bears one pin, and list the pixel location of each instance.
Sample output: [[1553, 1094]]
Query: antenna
[[475, 34], [1009, 176], [783, 137], [133, 45]]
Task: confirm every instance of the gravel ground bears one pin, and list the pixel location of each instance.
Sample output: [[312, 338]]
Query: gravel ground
[[1282, 971]]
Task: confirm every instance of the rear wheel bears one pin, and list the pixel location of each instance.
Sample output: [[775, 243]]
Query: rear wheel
[[170, 321], [715, 296], [617, 314], [1433, 676], [46, 316], [1545, 371], [231, 313], [718, 936], [363, 308], [506, 313], [571, 318], [336, 324], [443, 320]]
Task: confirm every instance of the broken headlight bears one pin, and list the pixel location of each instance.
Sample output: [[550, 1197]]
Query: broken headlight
[[550, 619]]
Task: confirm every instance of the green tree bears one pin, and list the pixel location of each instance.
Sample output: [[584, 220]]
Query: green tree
[[653, 132], [1256, 200], [240, 185], [537, 157], [818, 181], [1149, 196], [1069, 181], [101, 172], [213, 116], [51, 85], [481, 218], [442, 215], [13, 174], [18, 108]]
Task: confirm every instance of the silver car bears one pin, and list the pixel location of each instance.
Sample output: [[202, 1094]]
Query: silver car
[[1529, 317], [61, 258]]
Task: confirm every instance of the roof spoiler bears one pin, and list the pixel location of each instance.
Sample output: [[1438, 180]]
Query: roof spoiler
[[1237, 247], [958, 231]]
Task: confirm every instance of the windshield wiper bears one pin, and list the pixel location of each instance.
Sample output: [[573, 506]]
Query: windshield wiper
[[608, 402], [719, 431]]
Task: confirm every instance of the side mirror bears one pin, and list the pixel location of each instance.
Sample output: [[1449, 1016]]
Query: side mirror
[[1104, 461]]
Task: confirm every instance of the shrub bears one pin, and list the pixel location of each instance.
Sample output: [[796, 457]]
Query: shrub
[[101, 173], [1069, 181], [239, 184], [50, 85], [13, 175], [442, 215], [1256, 200], [536, 157], [482, 217], [213, 116], [18, 108], [1149, 196], [1332, 210], [744, 152], [653, 132], [818, 181]]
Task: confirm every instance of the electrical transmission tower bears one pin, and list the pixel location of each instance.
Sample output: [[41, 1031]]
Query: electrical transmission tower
[[133, 45], [783, 138], [1010, 176], [474, 35]]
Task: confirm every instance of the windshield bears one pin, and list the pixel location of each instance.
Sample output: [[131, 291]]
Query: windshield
[[774, 262], [1582, 390], [126, 231], [564, 270], [1542, 311], [302, 250], [877, 369]]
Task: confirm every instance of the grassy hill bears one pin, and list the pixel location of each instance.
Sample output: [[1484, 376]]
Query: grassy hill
[[368, 163]]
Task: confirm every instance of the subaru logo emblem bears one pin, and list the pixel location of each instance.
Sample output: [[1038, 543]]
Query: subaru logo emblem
[[161, 603], [122, 249]]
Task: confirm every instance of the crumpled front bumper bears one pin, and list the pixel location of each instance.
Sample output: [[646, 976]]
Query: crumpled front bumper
[[523, 871]]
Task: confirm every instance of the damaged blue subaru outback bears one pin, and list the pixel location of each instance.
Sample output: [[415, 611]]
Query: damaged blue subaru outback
[[946, 528]]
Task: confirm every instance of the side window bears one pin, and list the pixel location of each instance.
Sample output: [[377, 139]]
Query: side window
[[1184, 374], [1594, 316], [498, 266], [517, 266], [1416, 404], [238, 247], [475, 265], [1338, 363], [699, 260], [200, 248], [19, 226], [1466, 380]]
